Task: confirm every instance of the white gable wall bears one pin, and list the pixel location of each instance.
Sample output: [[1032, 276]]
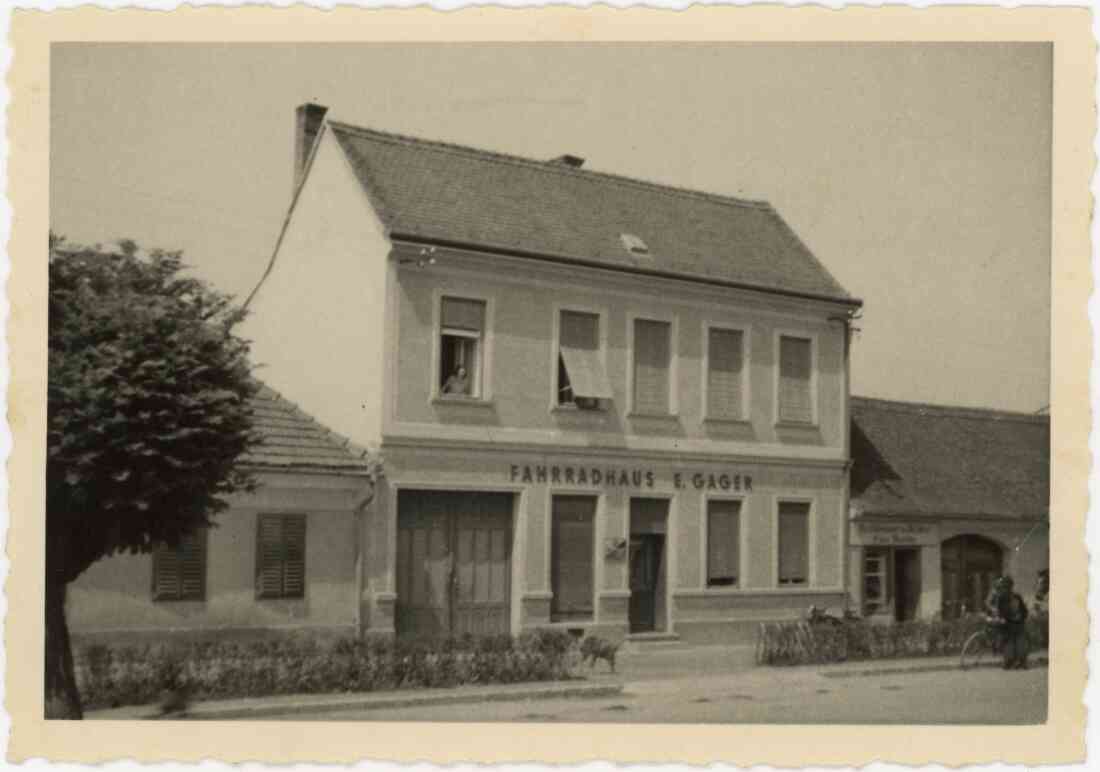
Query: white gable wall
[[317, 321]]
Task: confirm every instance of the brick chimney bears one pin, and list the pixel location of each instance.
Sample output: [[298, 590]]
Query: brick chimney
[[307, 125]]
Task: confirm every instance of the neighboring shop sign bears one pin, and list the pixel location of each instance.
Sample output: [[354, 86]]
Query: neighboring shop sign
[[607, 477], [894, 534]]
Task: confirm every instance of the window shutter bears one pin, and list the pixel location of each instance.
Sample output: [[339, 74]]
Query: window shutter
[[795, 399], [269, 557], [580, 330], [294, 556], [572, 549], [192, 565], [794, 542], [463, 314], [651, 366], [166, 575], [724, 379], [723, 541]]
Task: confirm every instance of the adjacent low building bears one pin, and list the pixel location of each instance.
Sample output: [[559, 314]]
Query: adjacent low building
[[944, 500], [285, 557]]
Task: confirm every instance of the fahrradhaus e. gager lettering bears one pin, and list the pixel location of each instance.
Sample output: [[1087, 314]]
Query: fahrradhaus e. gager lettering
[[621, 477]]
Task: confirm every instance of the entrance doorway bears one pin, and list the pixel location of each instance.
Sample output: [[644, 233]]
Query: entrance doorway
[[648, 529], [454, 563], [970, 564], [906, 584]]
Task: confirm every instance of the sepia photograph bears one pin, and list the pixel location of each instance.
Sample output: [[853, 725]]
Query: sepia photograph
[[663, 383]]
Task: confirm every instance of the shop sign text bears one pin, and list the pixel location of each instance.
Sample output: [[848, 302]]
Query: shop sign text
[[887, 534], [626, 478]]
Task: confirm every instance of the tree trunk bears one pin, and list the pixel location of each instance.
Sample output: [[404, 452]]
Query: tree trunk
[[61, 695]]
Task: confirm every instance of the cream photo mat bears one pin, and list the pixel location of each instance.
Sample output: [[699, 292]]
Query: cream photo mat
[[1060, 740]]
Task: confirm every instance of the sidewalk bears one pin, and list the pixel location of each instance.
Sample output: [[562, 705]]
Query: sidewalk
[[289, 704], [909, 665]]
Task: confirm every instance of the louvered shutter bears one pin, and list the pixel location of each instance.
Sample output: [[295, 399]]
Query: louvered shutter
[[795, 399], [724, 379], [580, 355], [794, 542], [651, 366], [192, 565], [723, 542], [463, 314], [166, 573], [269, 557], [572, 550], [294, 556]]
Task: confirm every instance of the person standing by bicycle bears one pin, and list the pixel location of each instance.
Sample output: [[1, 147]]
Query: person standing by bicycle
[[1009, 612]]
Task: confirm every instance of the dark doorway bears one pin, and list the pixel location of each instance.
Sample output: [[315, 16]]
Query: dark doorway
[[970, 564], [648, 526], [906, 584]]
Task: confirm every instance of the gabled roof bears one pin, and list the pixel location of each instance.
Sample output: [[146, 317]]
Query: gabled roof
[[293, 441], [453, 195], [916, 459]]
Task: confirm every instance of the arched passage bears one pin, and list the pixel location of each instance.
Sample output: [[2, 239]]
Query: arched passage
[[970, 564]]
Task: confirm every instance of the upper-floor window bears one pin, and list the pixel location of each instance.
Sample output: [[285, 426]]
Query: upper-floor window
[[582, 380], [281, 556], [725, 373], [652, 364], [179, 573], [796, 403], [461, 347]]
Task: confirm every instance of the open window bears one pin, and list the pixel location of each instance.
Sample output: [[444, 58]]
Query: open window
[[461, 344], [582, 379]]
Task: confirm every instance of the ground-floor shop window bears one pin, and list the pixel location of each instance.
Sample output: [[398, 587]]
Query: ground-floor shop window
[[179, 572], [970, 564], [572, 558], [723, 543], [281, 556], [794, 542]]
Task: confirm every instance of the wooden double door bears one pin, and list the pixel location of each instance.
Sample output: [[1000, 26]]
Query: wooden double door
[[454, 563]]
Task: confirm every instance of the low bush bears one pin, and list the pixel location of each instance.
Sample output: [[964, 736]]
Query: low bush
[[803, 643], [132, 675]]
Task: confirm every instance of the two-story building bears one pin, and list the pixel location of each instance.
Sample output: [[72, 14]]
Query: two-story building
[[602, 403]]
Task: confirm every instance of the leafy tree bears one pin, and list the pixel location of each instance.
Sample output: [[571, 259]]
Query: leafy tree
[[147, 414]]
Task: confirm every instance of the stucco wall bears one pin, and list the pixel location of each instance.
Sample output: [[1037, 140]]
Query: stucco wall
[[520, 368], [759, 596], [318, 321], [114, 596]]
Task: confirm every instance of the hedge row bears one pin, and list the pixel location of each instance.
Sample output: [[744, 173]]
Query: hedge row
[[803, 643], [135, 675]]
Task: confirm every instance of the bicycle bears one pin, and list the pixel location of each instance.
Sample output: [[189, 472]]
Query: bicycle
[[984, 647]]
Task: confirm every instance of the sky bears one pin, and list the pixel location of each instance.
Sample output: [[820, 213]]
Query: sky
[[919, 174]]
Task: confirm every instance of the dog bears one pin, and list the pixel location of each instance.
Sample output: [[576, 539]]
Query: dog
[[594, 648]]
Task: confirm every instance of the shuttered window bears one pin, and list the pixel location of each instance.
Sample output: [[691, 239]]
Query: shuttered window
[[795, 379], [179, 573], [725, 378], [651, 366], [794, 542], [572, 548], [723, 543], [581, 374], [281, 556]]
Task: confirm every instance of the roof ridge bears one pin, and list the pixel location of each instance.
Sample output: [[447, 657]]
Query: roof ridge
[[960, 411], [548, 166]]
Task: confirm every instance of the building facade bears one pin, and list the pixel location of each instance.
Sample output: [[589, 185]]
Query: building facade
[[944, 500], [602, 404], [284, 557]]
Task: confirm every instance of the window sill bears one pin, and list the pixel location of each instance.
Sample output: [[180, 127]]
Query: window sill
[[796, 425], [723, 421], [569, 409], [178, 600], [653, 416], [463, 401]]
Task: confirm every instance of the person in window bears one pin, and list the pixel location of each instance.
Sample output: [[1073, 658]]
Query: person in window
[[457, 383]]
